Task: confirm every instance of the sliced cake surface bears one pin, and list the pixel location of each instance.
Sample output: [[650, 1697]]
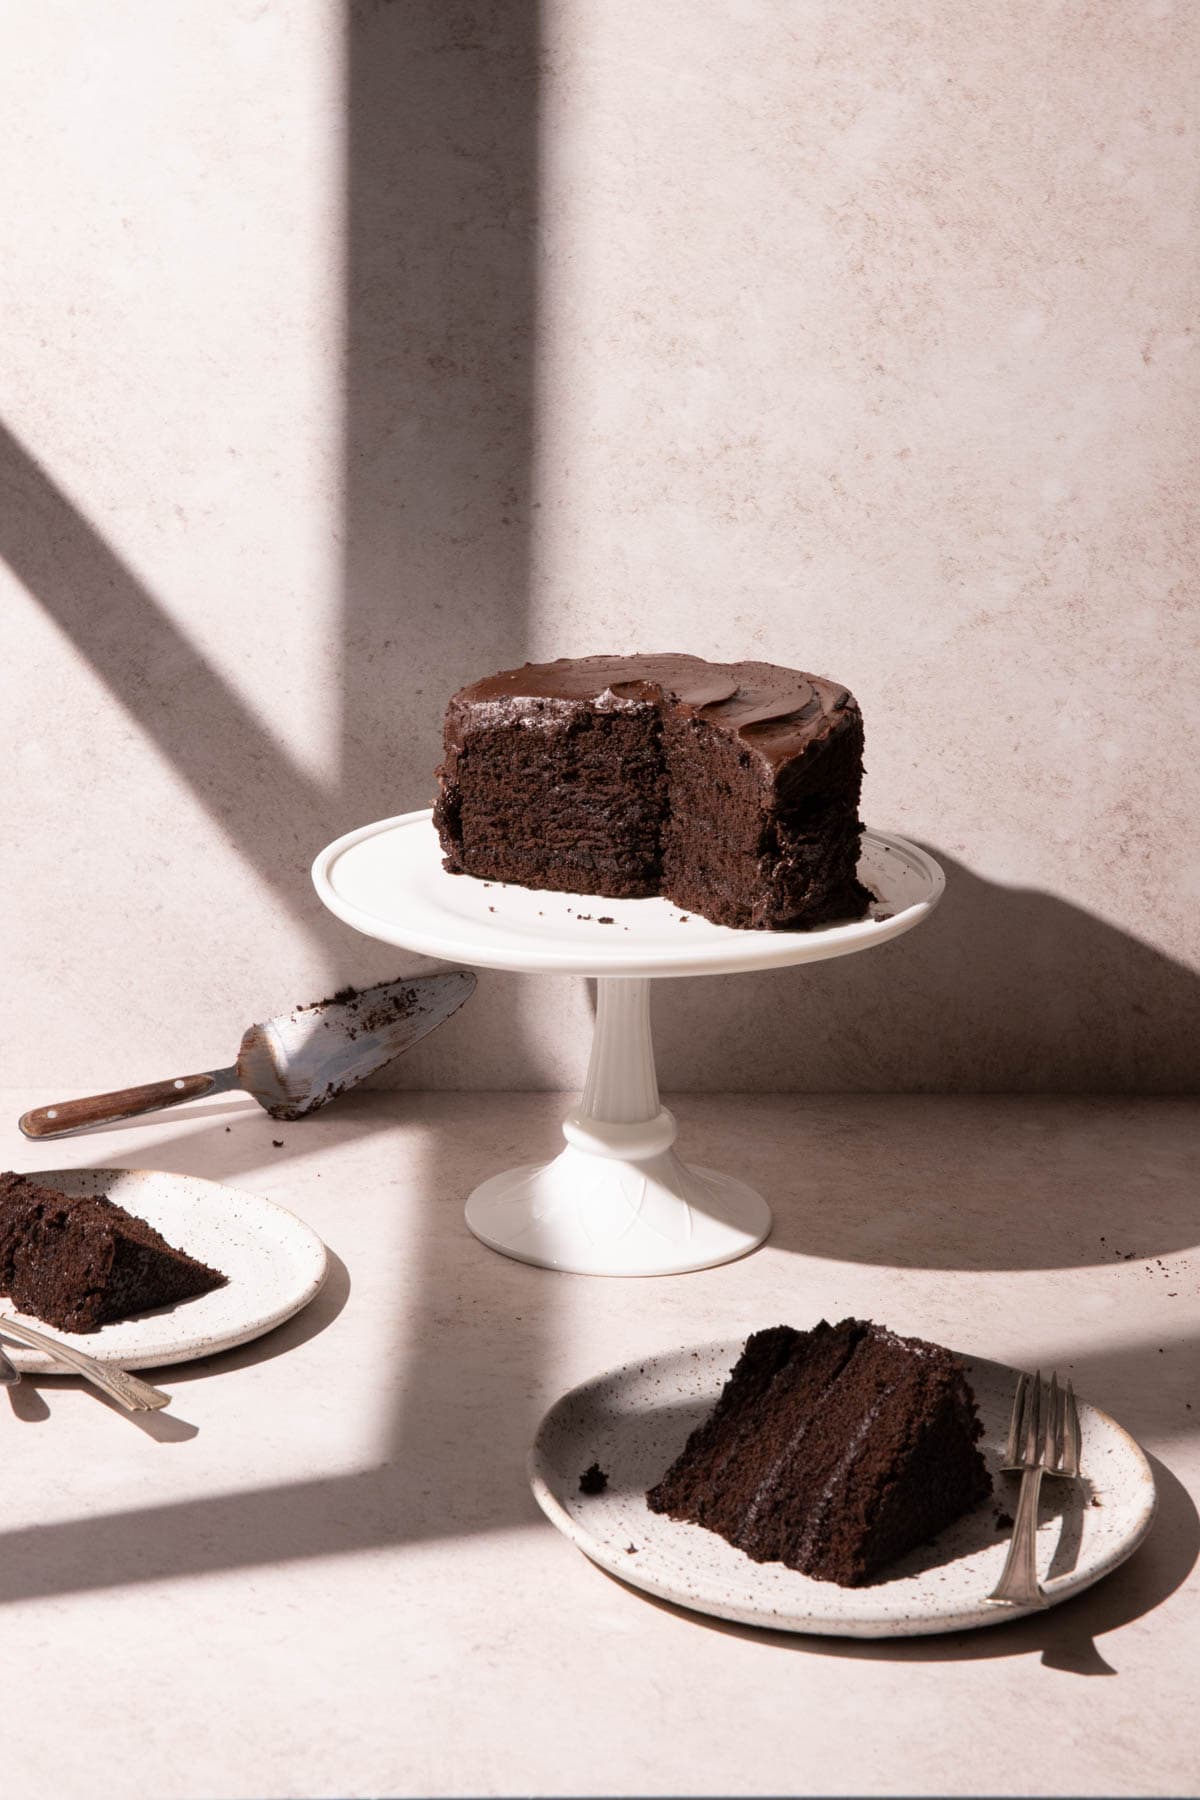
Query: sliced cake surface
[[732, 788], [833, 1451], [81, 1262]]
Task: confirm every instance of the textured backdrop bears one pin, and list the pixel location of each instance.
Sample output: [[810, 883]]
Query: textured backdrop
[[349, 356]]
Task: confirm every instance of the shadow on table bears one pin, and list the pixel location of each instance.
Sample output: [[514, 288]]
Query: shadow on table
[[31, 1396], [313, 1319], [967, 1182], [1065, 1635], [1002, 990]]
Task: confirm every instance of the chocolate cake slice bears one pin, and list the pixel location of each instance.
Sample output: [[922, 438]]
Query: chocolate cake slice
[[81, 1262], [732, 788], [832, 1451]]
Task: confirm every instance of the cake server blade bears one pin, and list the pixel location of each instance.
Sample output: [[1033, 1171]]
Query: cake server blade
[[293, 1064]]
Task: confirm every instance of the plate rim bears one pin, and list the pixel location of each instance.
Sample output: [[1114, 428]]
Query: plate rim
[[37, 1362], [729, 955], [1062, 1588]]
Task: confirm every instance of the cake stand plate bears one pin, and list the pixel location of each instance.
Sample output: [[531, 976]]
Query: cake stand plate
[[617, 1200]]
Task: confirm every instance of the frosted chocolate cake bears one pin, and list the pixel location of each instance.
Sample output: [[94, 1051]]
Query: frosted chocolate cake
[[833, 1451], [732, 788], [81, 1262]]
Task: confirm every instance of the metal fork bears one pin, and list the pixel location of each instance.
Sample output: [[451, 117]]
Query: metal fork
[[119, 1384], [1043, 1439]]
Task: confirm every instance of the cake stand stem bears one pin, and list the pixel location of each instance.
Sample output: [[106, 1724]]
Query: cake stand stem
[[618, 1200], [621, 1083]]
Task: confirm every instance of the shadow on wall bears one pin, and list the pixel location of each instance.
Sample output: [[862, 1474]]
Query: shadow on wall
[[1002, 990], [175, 696], [440, 323], [439, 385], [440, 319]]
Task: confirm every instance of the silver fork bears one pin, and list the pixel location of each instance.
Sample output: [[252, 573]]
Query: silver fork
[[119, 1384], [1043, 1439]]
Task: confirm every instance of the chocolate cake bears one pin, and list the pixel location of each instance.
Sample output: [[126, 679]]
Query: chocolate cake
[[832, 1451], [732, 788], [81, 1262]]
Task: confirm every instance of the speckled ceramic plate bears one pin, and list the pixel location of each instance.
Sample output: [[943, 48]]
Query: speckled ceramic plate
[[275, 1264], [634, 1420]]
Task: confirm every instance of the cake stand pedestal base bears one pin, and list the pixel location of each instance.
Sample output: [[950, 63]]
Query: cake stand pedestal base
[[617, 1200]]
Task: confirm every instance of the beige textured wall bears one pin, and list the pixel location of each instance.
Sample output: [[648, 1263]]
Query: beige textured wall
[[349, 356]]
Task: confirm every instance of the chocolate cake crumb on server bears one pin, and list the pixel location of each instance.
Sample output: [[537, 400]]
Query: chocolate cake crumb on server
[[79, 1262], [833, 1451], [732, 788]]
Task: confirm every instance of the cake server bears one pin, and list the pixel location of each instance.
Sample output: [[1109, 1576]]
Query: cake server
[[292, 1064]]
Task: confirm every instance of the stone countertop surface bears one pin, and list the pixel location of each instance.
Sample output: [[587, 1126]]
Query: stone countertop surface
[[321, 1571]]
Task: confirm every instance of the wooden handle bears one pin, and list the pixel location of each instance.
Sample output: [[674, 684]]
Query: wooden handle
[[67, 1116]]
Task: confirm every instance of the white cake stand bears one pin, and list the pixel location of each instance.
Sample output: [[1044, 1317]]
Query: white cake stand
[[617, 1200]]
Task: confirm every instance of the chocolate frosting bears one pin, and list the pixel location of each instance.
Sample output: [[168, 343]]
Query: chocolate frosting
[[778, 712]]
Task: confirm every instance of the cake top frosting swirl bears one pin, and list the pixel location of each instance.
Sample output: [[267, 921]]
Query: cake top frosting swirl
[[777, 711]]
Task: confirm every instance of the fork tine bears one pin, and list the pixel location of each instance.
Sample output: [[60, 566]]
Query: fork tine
[[1054, 1425], [1073, 1447], [1015, 1418], [1035, 1436]]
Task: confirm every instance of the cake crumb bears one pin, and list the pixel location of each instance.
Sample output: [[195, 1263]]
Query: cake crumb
[[594, 1480], [229, 1128], [631, 1549], [491, 909], [277, 1143], [605, 920], [1003, 1521]]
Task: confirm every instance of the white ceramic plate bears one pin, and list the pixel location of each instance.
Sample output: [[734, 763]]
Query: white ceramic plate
[[634, 1420], [387, 881], [275, 1264]]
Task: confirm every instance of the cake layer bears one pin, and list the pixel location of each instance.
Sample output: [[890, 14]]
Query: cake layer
[[79, 1262], [732, 788], [832, 1451]]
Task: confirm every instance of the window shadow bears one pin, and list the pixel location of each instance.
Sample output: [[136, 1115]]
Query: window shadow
[[441, 301], [236, 769]]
